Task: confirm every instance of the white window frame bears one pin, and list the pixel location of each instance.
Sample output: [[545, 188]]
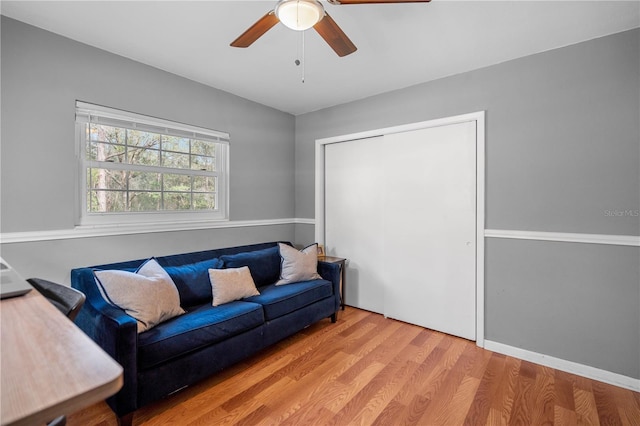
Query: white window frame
[[86, 113]]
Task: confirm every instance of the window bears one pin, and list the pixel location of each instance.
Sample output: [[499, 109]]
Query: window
[[135, 168]]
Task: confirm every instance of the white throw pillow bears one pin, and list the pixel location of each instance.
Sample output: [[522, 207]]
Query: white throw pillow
[[148, 295], [231, 284], [298, 265]]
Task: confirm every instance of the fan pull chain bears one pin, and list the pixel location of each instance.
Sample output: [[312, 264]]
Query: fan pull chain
[[303, 58], [298, 61]]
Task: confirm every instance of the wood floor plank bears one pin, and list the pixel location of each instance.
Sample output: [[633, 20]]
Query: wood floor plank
[[316, 398], [337, 396], [479, 368], [369, 351], [441, 404], [564, 417], [422, 338], [367, 403], [411, 359], [422, 364], [234, 392], [275, 390], [461, 401], [373, 407], [636, 395], [628, 407], [348, 391], [424, 351], [252, 418], [325, 380], [543, 412], [292, 398], [220, 418], [324, 390], [481, 402], [389, 415], [422, 374], [608, 414], [369, 370], [564, 394], [586, 411], [502, 402], [521, 412], [421, 401], [301, 356]]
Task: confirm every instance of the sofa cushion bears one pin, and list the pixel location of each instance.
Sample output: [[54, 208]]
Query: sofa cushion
[[192, 281], [148, 295], [202, 326], [298, 265], [263, 264], [281, 300]]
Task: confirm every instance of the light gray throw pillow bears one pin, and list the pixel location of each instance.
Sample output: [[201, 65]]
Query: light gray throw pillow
[[298, 265], [231, 284], [148, 295]]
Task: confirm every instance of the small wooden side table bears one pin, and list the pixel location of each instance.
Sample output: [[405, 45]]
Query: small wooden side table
[[342, 262]]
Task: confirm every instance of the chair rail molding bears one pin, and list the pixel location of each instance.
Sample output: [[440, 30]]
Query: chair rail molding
[[566, 237], [133, 228]]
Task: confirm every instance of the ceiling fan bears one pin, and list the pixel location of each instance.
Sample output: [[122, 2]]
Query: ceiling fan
[[301, 15]]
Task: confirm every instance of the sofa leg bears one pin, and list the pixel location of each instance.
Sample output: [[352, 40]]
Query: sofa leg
[[126, 420], [334, 317]]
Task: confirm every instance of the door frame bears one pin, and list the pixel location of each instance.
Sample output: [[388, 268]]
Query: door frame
[[479, 119]]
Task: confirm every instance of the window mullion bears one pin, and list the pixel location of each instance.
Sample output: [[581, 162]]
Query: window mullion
[[192, 201], [162, 191], [127, 194], [127, 206]]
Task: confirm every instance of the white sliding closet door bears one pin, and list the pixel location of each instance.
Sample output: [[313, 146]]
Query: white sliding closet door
[[402, 209], [430, 229], [353, 206]]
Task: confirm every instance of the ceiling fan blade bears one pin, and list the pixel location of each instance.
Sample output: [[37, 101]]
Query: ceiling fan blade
[[334, 36], [256, 31], [375, 1]]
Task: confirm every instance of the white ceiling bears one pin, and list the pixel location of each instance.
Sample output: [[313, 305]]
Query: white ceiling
[[398, 45]]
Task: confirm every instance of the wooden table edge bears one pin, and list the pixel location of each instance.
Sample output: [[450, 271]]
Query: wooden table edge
[[71, 406]]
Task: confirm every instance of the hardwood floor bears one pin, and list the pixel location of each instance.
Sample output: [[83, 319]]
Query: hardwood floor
[[368, 370]]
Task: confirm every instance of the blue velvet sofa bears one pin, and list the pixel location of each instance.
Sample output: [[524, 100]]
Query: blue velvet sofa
[[206, 339]]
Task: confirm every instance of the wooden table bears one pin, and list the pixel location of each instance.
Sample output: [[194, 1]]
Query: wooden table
[[48, 366], [342, 262]]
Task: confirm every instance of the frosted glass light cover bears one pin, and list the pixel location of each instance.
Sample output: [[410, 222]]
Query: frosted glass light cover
[[299, 15]]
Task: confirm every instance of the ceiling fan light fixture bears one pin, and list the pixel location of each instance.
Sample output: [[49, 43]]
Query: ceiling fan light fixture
[[299, 15]]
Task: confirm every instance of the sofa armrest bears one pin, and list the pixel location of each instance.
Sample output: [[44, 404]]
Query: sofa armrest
[[331, 272], [114, 331]]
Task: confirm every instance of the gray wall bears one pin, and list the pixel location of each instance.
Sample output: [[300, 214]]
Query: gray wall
[[562, 149], [43, 75]]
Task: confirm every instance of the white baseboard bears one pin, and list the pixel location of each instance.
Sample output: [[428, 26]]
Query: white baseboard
[[564, 365]]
